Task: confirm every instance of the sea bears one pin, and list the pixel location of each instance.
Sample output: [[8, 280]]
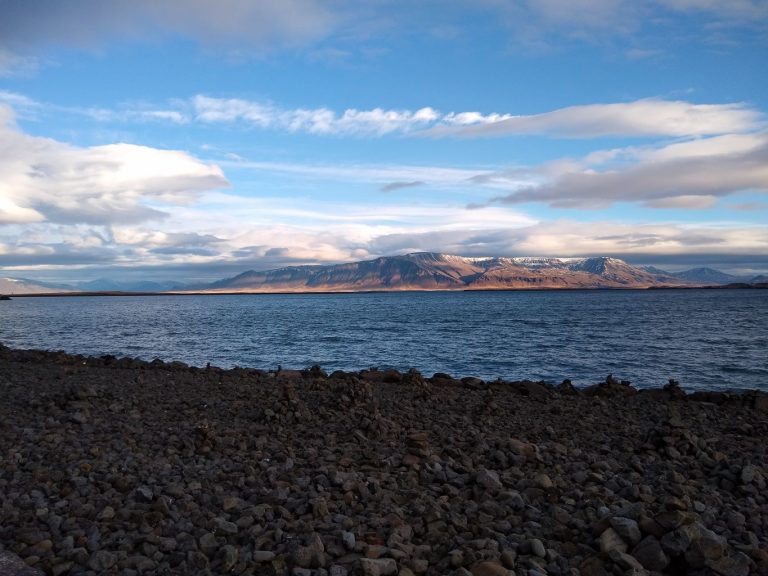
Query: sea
[[705, 339]]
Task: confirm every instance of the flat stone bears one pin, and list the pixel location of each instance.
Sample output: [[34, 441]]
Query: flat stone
[[263, 555], [488, 568], [736, 565], [489, 479], [12, 565], [378, 566]]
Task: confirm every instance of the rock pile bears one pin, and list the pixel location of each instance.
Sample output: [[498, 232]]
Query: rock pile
[[118, 466]]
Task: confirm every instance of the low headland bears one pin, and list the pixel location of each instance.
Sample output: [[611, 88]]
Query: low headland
[[121, 466]]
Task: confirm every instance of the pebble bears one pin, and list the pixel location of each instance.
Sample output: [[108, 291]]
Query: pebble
[[176, 470]]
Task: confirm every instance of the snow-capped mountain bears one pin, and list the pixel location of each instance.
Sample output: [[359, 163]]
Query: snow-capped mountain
[[434, 271]]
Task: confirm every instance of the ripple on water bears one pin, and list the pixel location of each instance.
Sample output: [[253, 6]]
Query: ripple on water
[[704, 338]]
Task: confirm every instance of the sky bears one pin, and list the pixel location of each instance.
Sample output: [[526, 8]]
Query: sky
[[193, 140]]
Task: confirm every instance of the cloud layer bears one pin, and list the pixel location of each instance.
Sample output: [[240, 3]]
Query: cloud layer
[[42, 180], [89, 23], [650, 117], [690, 174]]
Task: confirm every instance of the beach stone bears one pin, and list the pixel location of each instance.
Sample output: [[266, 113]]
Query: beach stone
[[624, 560], [102, 560], [225, 526], [736, 565], [378, 566], [12, 565], [348, 538], [543, 481], [262, 556], [489, 479], [650, 554], [208, 543], [627, 529], [537, 547], [508, 558], [522, 448], [610, 540], [488, 568], [229, 557], [144, 494]]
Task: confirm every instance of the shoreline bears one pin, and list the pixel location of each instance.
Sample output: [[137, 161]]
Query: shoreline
[[116, 465], [738, 286]]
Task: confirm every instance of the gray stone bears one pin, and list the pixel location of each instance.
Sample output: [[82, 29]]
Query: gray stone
[[208, 543], [489, 479], [736, 565], [610, 540], [225, 526], [543, 481], [12, 565], [229, 556], [338, 570], [679, 540], [625, 561], [263, 556], [537, 547], [348, 538], [489, 569], [650, 554], [508, 558], [378, 566], [144, 494], [102, 560], [627, 529], [748, 474]]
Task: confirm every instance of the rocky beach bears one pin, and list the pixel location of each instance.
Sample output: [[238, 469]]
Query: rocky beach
[[120, 466]]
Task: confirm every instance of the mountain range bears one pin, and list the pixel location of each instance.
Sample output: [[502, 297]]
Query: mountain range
[[434, 271], [418, 271]]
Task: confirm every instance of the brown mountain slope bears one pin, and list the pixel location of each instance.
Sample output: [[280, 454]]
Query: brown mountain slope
[[433, 271]]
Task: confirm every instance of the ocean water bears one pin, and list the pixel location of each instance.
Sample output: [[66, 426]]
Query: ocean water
[[706, 339]]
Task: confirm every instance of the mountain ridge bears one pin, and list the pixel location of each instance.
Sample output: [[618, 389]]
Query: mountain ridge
[[415, 271], [436, 271]]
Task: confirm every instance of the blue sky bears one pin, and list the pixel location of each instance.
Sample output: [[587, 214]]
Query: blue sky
[[194, 140]]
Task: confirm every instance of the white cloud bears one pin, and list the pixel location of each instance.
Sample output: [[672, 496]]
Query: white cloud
[[45, 180], [254, 24], [640, 118], [376, 122], [12, 64], [650, 117], [681, 175]]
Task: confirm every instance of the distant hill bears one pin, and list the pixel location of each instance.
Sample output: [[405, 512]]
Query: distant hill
[[106, 285], [12, 286], [707, 276], [434, 271]]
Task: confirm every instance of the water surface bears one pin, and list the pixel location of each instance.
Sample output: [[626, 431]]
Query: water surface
[[712, 339]]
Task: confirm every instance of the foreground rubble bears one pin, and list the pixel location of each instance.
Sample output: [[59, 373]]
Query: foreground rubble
[[118, 466]]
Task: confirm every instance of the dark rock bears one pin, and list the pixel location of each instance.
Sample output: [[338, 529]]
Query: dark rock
[[650, 554], [12, 565]]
